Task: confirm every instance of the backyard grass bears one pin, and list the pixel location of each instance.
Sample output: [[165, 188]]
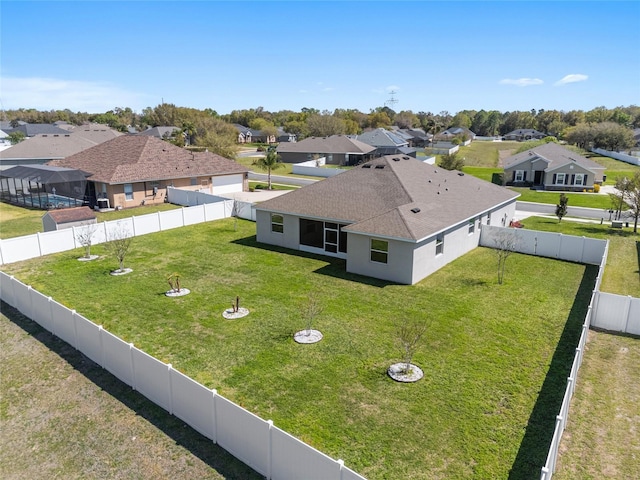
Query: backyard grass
[[602, 437], [495, 357], [484, 173], [622, 272], [486, 154], [589, 200], [63, 416]]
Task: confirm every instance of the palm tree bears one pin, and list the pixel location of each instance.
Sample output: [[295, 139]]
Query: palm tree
[[270, 162]]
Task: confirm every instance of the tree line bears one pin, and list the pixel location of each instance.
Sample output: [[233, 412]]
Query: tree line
[[611, 129]]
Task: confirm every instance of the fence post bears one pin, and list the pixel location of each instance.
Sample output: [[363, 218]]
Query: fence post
[[39, 245], [544, 474], [584, 240], [100, 337], [133, 224], [1, 257], [133, 367], [213, 413], [341, 467], [159, 222], [270, 450], [627, 311], [559, 245], [170, 381], [75, 329]]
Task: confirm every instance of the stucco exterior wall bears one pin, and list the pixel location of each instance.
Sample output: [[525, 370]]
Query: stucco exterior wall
[[290, 238], [143, 191]]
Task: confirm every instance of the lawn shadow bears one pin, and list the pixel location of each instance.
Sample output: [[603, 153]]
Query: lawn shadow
[[213, 455], [335, 267], [534, 448]]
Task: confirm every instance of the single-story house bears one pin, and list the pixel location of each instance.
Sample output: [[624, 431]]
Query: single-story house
[[418, 137], [336, 149], [44, 147], [133, 170], [68, 218], [552, 167], [161, 132], [464, 134], [393, 218], [33, 129], [385, 141], [524, 134], [285, 136], [250, 135]]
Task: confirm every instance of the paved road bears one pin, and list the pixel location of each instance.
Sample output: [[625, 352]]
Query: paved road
[[262, 177], [549, 209]]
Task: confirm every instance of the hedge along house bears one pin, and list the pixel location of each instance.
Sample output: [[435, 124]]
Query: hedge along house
[[394, 218], [134, 170], [552, 167]]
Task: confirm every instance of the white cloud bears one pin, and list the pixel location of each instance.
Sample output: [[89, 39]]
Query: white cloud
[[521, 82], [59, 94], [572, 78]]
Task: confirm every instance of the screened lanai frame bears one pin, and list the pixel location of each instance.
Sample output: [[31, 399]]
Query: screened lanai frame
[[43, 186]]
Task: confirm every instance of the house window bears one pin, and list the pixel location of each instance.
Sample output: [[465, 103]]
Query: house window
[[194, 181], [560, 178], [128, 191], [520, 176], [379, 251], [472, 226], [579, 180], [277, 223], [440, 244]]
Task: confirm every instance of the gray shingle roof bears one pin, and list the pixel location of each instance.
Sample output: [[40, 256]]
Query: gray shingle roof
[[32, 129], [377, 198], [135, 158], [556, 156], [334, 144], [382, 138]]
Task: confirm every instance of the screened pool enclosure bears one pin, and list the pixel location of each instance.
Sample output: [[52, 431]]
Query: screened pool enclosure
[[43, 186]]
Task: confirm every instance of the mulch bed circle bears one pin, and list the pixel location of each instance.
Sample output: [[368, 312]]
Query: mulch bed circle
[[230, 314], [88, 259], [180, 293], [396, 370], [121, 272], [307, 336]]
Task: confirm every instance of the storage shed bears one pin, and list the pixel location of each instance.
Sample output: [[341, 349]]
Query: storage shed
[[67, 218]]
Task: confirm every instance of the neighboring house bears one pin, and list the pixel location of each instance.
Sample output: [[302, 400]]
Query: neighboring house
[[418, 137], [133, 170], [45, 147], [163, 133], [385, 141], [336, 149], [394, 218], [524, 134], [68, 218], [249, 135], [457, 132], [33, 129], [286, 137], [552, 167]]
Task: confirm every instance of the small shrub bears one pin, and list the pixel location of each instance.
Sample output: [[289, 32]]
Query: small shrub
[[596, 188]]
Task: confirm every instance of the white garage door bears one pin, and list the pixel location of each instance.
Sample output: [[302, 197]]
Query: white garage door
[[227, 184]]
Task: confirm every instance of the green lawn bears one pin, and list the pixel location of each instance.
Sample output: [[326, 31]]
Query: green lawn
[[496, 357], [622, 272], [484, 173], [485, 154], [590, 200]]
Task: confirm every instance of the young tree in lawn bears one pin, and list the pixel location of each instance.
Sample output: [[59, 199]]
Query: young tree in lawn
[[561, 207], [506, 243], [269, 162], [118, 244], [410, 335], [84, 236], [621, 194], [311, 309], [633, 193], [451, 161]]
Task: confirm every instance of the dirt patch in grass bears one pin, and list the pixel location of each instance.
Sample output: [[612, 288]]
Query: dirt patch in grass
[[63, 416], [602, 438]]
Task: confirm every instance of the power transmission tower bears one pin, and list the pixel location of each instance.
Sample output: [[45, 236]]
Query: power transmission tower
[[391, 103]]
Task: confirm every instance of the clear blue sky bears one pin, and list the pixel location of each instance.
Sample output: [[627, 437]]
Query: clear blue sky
[[506, 55]]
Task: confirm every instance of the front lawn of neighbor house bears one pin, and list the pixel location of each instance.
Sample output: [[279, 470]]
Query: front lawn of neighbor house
[[496, 357], [589, 200]]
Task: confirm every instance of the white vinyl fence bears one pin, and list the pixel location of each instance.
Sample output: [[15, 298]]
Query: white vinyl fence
[[547, 244], [39, 244], [562, 247], [264, 447], [233, 208], [617, 313], [623, 157]]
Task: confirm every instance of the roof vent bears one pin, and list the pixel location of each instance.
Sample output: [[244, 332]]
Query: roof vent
[[406, 158], [366, 165], [460, 174], [396, 159], [379, 167], [415, 210]]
